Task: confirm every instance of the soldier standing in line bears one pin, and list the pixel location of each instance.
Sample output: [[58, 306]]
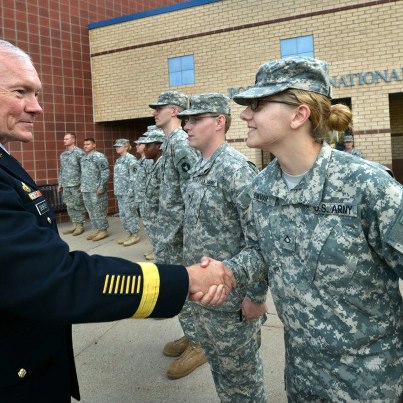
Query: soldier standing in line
[[348, 143], [69, 184], [177, 159], [143, 165], [124, 182], [216, 204], [149, 208], [94, 182]]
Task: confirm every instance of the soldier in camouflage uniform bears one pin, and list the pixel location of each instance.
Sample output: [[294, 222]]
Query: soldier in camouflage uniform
[[348, 142], [143, 166], [327, 232], [149, 208], [69, 184], [216, 203], [177, 159], [94, 182], [124, 174]]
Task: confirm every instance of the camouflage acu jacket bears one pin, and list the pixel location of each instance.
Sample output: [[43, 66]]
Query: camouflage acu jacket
[[216, 203], [94, 172], [124, 175], [70, 168], [143, 165], [332, 250]]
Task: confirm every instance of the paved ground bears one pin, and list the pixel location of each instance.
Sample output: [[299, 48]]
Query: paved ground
[[121, 362]]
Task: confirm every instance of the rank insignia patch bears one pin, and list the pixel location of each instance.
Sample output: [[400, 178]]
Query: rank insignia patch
[[185, 167]]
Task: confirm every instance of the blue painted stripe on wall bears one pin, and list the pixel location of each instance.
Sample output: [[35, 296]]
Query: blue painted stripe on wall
[[149, 13]]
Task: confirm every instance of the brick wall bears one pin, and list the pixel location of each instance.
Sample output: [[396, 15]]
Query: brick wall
[[230, 39], [55, 34]]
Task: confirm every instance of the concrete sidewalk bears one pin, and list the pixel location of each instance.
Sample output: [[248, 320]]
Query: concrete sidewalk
[[119, 362]]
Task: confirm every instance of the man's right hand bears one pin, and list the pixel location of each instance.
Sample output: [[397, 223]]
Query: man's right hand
[[203, 277]]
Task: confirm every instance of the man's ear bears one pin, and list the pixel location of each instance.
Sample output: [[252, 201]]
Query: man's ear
[[175, 110], [220, 122], [300, 116]]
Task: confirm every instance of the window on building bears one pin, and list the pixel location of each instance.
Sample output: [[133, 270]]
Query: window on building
[[181, 70], [300, 46]]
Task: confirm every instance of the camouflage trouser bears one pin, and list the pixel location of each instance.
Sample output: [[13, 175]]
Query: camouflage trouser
[[232, 350], [187, 321], [97, 207], [151, 224], [73, 199], [128, 213], [172, 253]]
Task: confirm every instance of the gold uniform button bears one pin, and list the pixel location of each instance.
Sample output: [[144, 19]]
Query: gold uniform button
[[22, 372], [49, 220]]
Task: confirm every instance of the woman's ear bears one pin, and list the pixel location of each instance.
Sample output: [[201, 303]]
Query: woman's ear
[[301, 115]]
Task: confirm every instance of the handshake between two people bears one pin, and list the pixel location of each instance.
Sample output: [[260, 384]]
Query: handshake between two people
[[210, 281]]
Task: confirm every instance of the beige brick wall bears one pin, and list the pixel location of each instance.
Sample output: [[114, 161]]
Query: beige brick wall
[[375, 147], [357, 40]]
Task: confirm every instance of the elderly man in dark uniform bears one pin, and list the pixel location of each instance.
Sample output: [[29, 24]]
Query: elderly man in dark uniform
[[44, 287]]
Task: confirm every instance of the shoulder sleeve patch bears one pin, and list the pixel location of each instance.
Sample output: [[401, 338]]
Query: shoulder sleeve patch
[[394, 236]]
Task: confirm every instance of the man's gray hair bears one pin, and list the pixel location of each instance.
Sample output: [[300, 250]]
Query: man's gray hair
[[10, 48]]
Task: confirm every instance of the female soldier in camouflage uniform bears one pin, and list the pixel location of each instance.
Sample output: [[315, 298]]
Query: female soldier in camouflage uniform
[[327, 231], [150, 205], [123, 186]]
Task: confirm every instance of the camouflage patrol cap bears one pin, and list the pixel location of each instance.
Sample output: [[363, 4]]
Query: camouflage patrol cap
[[171, 98], [153, 138], [297, 72], [348, 138], [153, 135], [140, 139], [121, 142], [207, 103]]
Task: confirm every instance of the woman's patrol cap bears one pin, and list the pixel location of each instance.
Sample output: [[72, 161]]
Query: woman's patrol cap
[[303, 73], [121, 142], [348, 138]]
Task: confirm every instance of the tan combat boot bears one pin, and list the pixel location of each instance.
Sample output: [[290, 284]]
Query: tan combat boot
[[79, 229], [92, 235], [69, 230], [134, 238], [176, 348], [100, 235], [121, 241], [190, 359]]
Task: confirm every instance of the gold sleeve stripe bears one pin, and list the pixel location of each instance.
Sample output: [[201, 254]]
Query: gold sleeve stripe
[[111, 284], [117, 284], [151, 289], [106, 284], [138, 285], [122, 286], [134, 284], [128, 284]]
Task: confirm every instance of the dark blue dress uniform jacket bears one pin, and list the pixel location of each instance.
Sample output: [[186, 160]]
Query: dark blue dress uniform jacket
[[44, 288]]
